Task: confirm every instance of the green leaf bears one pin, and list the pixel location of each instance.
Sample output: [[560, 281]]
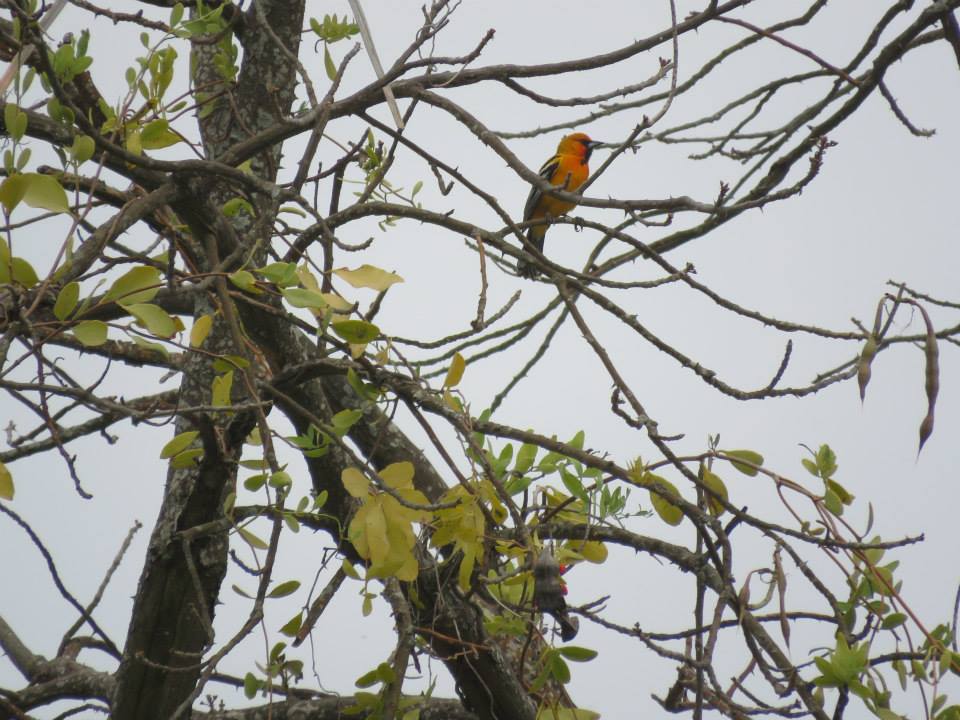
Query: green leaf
[[577, 654], [157, 134], [826, 461], [548, 712], [368, 276], [233, 206], [386, 673], [138, 285], [82, 149], [15, 120], [369, 679], [251, 686], [526, 456], [303, 298], [46, 193], [455, 373], [154, 318], [285, 588], [23, 158], [230, 362], [577, 440], [328, 63], [252, 539], [279, 273], [281, 479], [176, 14], [178, 444], [832, 503], [155, 347], [12, 190], [255, 482], [349, 570], [841, 492], [292, 627], [344, 420], [559, 669], [66, 300], [356, 332], [23, 272], [893, 620], [186, 459], [244, 280], [6, 483], [574, 486], [747, 456], [91, 332], [220, 390]]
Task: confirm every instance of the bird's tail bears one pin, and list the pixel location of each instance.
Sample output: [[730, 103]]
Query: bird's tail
[[526, 267], [569, 626]]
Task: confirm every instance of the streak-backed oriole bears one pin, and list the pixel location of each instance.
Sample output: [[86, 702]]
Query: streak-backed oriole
[[567, 170]]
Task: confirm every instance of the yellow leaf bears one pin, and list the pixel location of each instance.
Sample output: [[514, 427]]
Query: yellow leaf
[[355, 482], [220, 391], [409, 570], [591, 550], [200, 330], [307, 278], [338, 304], [466, 568], [368, 276], [356, 531], [375, 532], [398, 475], [455, 373], [6, 483], [714, 483], [668, 512]]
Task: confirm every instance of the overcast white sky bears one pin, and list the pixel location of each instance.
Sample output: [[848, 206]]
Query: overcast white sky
[[881, 209]]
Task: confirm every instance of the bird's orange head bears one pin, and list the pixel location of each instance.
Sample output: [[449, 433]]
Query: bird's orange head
[[578, 144]]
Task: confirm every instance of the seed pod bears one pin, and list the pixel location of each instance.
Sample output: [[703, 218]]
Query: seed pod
[[863, 365]]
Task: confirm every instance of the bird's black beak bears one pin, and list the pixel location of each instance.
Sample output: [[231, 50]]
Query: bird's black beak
[[594, 143]]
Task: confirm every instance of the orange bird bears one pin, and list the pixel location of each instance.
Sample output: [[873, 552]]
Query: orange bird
[[567, 170]]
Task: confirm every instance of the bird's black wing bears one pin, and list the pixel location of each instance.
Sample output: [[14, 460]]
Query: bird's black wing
[[546, 172]]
